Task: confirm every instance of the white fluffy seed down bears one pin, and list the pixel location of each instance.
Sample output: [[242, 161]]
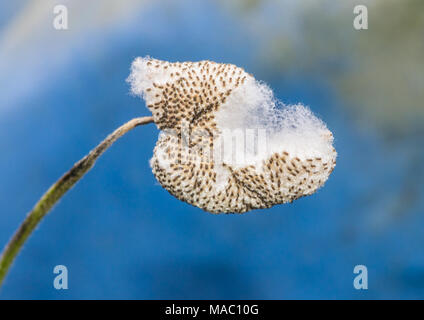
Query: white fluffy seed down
[[226, 145]]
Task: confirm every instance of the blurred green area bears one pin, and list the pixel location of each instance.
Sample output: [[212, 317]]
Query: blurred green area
[[379, 71], [378, 74]]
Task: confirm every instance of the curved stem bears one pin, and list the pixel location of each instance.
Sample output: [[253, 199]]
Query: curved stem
[[56, 191]]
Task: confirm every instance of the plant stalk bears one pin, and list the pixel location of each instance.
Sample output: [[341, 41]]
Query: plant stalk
[[56, 191]]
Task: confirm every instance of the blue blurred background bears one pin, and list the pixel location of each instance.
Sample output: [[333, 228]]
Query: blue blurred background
[[124, 237]]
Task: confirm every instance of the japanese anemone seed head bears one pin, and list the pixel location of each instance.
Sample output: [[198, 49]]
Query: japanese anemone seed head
[[226, 144]]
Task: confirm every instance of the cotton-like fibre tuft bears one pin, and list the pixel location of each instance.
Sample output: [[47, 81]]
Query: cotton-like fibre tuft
[[227, 145]]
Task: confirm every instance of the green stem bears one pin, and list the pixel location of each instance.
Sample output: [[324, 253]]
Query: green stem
[[56, 191]]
